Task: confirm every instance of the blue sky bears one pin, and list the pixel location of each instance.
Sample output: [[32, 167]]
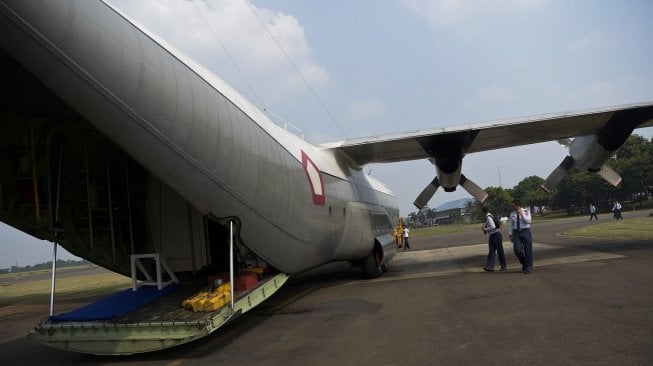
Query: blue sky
[[389, 66]]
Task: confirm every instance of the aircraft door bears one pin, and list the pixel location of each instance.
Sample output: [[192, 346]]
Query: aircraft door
[[217, 236]]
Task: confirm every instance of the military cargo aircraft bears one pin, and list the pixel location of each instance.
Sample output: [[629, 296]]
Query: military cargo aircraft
[[118, 147]]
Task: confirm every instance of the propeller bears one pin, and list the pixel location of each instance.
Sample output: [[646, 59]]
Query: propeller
[[427, 193], [557, 174], [565, 142], [610, 176], [473, 189]]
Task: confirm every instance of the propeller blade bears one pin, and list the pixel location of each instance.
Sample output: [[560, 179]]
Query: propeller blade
[[558, 173], [610, 176], [565, 142], [427, 193], [473, 189]]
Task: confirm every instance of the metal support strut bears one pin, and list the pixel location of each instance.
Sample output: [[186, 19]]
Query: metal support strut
[[231, 263], [56, 227]]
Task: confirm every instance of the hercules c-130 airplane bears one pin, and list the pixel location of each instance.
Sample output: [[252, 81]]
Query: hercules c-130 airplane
[[113, 145]]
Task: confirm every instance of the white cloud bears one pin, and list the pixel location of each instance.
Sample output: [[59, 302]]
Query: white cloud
[[365, 109], [236, 27]]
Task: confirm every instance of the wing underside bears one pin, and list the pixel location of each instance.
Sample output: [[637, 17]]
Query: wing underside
[[424, 144]]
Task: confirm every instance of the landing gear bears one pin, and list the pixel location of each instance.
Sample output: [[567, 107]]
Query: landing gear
[[372, 267]]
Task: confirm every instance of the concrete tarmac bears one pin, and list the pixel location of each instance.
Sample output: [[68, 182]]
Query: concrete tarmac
[[588, 301]]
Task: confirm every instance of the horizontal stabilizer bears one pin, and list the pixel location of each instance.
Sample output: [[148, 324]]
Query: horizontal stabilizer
[[610, 176], [426, 195], [473, 189], [558, 174]]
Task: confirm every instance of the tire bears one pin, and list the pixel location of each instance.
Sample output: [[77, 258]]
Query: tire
[[371, 266]]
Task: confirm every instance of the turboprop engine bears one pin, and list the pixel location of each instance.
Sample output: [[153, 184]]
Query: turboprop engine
[[449, 180], [585, 153], [591, 152]]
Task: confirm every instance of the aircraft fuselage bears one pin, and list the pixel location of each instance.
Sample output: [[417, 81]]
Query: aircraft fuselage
[[296, 206]]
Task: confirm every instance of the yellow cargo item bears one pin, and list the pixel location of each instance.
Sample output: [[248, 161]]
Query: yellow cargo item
[[224, 288], [214, 302], [257, 270], [209, 301]]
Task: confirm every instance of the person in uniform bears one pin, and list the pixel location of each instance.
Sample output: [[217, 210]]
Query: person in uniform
[[406, 235], [617, 210], [495, 241], [520, 235], [593, 212]]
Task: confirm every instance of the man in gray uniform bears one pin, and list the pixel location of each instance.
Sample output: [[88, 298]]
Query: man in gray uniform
[[520, 235], [495, 241]]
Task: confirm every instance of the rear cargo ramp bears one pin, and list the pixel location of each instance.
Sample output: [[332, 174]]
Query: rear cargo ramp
[[128, 335]]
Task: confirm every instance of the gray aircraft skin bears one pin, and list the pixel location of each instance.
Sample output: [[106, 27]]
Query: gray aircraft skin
[[114, 143]]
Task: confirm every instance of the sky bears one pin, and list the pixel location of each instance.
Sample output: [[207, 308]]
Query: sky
[[345, 69]]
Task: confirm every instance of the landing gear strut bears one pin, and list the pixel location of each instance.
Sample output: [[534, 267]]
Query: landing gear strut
[[372, 267]]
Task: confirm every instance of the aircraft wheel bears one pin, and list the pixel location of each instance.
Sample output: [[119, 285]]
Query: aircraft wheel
[[371, 266]]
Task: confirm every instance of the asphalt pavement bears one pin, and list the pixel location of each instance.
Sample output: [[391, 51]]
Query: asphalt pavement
[[587, 302]]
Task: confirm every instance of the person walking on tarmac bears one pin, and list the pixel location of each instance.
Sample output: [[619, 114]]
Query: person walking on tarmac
[[617, 210], [495, 240], [593, 212], [520, 234], [406, 234]]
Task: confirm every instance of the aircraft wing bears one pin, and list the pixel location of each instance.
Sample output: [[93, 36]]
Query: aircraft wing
[[597, 134], [424, 144]]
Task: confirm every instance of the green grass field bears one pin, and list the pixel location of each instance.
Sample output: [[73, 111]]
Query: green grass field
[[40, 271], [77, 287], [631, 229]]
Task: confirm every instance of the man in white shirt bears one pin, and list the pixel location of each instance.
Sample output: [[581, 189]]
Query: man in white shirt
[[617, 210], [520, 234], [495, 241], [406, 234]]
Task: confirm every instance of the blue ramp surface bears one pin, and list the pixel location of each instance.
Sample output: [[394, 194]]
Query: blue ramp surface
[[118, 304]]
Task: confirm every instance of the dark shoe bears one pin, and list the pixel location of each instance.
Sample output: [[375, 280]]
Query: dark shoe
[[528, 271], [488, 269], [503, 269]]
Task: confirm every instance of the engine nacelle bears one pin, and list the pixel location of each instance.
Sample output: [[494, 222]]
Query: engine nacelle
[[585, 153], [448, 180], [588, 154]]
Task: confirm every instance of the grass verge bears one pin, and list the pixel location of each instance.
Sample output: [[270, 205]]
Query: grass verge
[[632, 229], [80, 288], [42, 271]]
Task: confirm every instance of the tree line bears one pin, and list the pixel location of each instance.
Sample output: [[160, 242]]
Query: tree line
[[46, 265], [633, 161]]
